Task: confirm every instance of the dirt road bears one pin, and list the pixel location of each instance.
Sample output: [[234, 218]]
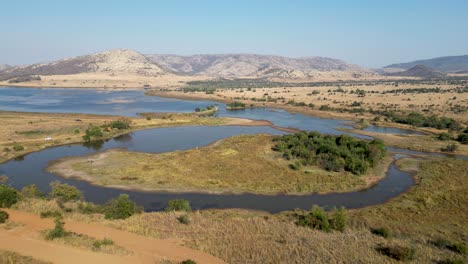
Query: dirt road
[[26, 240]]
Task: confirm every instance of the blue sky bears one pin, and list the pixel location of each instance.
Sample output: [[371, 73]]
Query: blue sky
[[368, 33]]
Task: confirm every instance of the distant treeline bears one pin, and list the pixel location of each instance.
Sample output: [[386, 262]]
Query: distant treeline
[[330, 152], [420, 120], [265, 83]]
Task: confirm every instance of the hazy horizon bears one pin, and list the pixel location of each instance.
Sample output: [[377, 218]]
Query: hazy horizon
[[365, 33]]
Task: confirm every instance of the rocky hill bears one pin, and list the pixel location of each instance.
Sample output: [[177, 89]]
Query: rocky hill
[[112, 62], [443, 64], [250, 65], [4, 67]]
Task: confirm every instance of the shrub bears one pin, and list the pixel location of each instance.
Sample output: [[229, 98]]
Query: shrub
[[92, 132], [452, 147], [51, 214], [58, 231], [8, 196], [236, 105], [87, 208], [184, 219], [3, 216], [178, 205], [397, 252], [317, 218], [17, 147], [463, 138], [188, 261], [444, 136], [458, 248], [120, 208], [31, 191], [102, 242], [64, 192], [121, 124], [340, 219], [382, 231], [295, 166]]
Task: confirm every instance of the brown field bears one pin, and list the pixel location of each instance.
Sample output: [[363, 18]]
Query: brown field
[[235, 165], [434, 208]]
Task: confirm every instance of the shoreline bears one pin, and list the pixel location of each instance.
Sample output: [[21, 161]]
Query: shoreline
[[230, 121]]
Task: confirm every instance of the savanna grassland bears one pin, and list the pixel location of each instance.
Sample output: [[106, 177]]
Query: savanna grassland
[[346, 99], [425, 225]]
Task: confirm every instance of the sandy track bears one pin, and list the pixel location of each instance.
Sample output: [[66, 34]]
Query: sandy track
[[26, 240]]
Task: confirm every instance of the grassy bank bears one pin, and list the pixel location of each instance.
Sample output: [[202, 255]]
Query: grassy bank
[[426, 143], [21, 133], [238, 164]]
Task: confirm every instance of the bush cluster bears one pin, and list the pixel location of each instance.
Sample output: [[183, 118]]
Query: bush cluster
[[178, 205], [121, 124], [8, 196], [58, 231], [420, 120], [64, 192], [333, 153], [236, 105], [317, 218], [102, 242], [384, 232], [120, 208], [93, 132], [397, 252], [3, 216], [457, 247]]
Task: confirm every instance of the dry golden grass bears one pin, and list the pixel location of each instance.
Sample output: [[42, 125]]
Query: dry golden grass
[[434, 208], [7, 257], [88, 243], [238, 164], [30, 129], [426, 143]]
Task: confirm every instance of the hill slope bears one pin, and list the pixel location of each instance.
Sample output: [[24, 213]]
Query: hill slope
[[4, 67], [444, 64], [250, 65], [113, 61], [420, 71]]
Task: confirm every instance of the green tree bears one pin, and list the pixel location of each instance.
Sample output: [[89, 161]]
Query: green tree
[[120, 208], [8, 196], [65, 192]]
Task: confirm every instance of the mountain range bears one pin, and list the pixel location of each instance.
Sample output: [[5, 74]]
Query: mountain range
[[126, 62], [446, 64], [220, 66]]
